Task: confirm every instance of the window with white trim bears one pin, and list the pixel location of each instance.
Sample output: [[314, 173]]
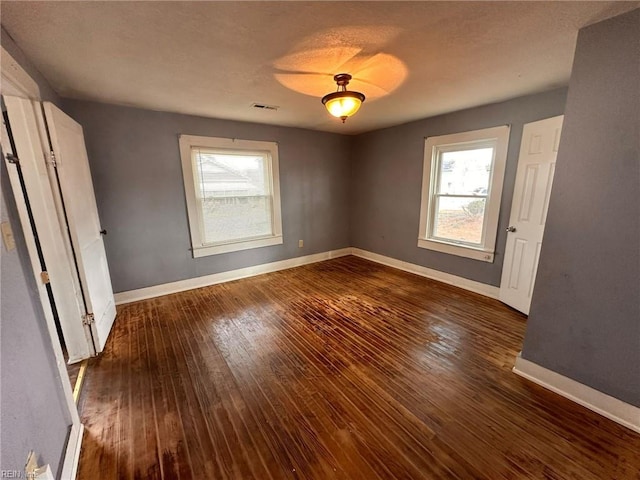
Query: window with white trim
[[233, 193], [461, 190]]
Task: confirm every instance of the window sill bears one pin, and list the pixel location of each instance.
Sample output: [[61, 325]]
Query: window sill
[[236, 246], [459, 250]]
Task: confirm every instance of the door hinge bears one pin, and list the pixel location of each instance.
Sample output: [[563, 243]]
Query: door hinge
[[44, 276], [11, 158], [88, 319], [52, 159]]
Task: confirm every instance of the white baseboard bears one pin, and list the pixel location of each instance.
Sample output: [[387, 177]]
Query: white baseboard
[[198, 282], [606, 405], [205, 281], [72, 453], [471, 285]]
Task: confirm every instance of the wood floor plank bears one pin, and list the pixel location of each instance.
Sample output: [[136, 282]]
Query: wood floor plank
[[263, 439], [143, 417], [223, 397], [343, 369], [282, 370]]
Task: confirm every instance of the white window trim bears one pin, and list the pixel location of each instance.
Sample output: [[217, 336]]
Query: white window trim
[[487, 251], [198, 248]]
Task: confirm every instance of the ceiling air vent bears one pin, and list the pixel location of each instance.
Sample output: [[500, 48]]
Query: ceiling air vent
[[263, 106]]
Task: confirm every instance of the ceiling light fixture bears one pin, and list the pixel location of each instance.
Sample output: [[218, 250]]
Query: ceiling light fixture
[[343, 103]]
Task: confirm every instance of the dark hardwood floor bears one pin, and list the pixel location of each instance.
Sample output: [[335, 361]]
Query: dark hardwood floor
[[343, 369]]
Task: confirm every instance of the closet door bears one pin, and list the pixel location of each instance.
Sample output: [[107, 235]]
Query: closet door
[[46, 236], [80, 209]]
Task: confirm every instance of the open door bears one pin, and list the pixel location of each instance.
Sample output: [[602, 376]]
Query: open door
[[536, 166], [81, 212], [25, 157], [36, 205], [51, 171]]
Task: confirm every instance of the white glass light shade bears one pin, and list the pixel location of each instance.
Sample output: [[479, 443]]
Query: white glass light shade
[[343, 104]]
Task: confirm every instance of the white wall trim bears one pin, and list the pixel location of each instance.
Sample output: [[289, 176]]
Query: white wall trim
[[620, 412], [72, 453], [471, 285], [494, 137], [190, 146], [458, 250], [198, 282], [15, 80]]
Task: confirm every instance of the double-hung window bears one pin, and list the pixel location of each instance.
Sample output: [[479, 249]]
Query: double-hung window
[[461, 191], [232, 192]]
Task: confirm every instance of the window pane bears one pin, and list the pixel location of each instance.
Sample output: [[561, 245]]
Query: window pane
[[459, 219], [465, 172], [234, 196]]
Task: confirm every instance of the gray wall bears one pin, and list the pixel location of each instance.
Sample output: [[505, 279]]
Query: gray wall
[[585, 312], [33, 412], [137, 174], [337, 191], [386, 182]]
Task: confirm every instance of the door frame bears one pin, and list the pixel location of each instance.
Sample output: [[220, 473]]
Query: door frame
[[16, 81], [505, 294]]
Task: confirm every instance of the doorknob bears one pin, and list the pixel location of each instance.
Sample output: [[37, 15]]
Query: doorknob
[[103, 232], [511, 229]]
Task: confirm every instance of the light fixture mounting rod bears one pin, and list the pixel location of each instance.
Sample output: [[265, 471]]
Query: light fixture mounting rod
[[342, 79]]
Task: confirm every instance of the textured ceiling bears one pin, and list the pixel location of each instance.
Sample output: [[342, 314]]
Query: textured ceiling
[[411, 59]]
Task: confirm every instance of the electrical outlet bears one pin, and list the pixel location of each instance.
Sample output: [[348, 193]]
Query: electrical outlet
[[300, 243]]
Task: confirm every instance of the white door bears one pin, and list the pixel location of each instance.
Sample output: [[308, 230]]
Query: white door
[[76, 187], [23, 153], [36, 206], [20, 80], [536, 167]]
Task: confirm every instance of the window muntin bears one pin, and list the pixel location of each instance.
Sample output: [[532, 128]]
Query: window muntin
[[459, 200], [462, 186], [232, 193]]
